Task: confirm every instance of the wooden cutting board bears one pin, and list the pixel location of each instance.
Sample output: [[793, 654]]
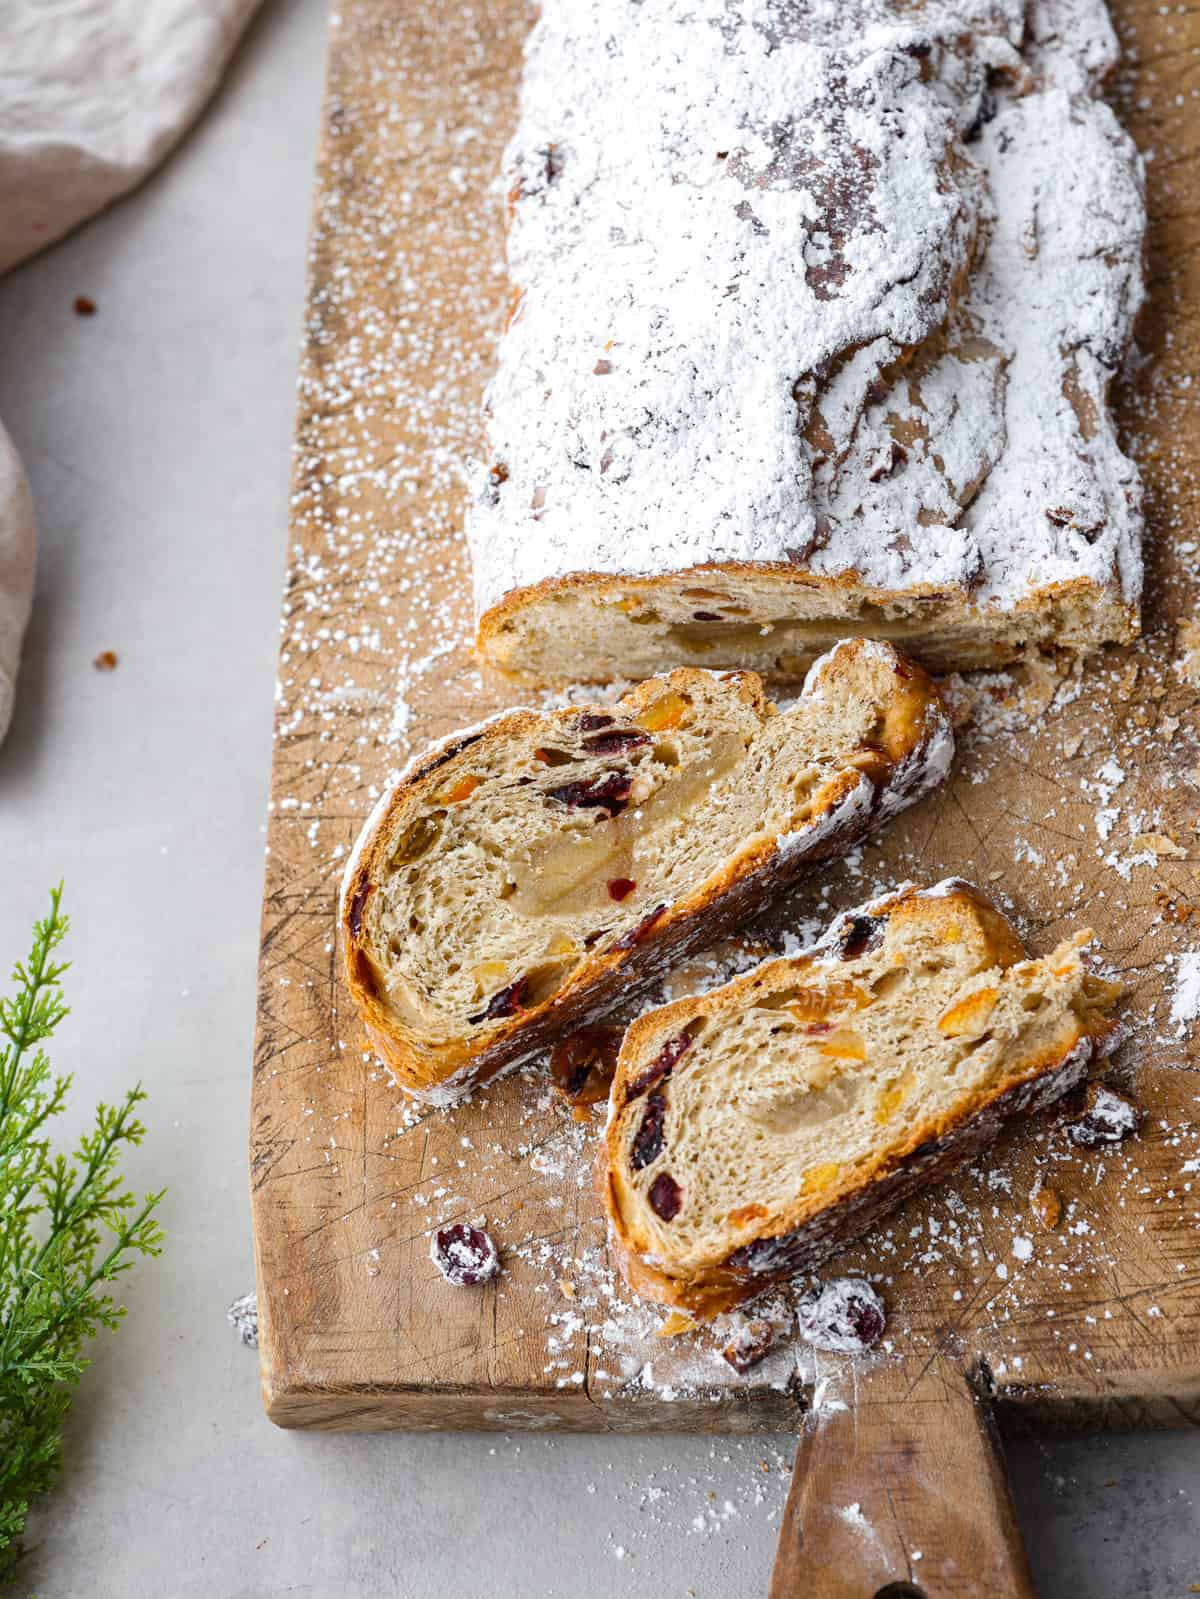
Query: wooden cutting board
[[1076, 800]]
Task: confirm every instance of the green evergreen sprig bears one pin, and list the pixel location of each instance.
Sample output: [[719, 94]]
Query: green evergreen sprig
[[68, 1228]]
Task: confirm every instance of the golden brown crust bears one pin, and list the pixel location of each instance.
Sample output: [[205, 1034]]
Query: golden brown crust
[[911, 722], [846, 596], [816, 1226]]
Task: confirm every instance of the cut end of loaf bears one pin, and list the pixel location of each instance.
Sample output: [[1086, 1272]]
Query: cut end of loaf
[[760, 1128], [776, 622], [523, 878]]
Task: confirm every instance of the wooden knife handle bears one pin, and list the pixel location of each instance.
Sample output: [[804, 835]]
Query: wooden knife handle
[[900, 1492]]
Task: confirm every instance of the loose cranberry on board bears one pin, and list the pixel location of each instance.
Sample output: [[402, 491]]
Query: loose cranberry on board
[[845, 1315], [465, 1256]]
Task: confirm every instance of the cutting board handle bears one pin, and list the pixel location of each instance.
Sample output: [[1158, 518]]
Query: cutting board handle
[[899, 1491]]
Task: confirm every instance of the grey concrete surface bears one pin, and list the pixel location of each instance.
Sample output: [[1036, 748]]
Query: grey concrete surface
[[157, 436]]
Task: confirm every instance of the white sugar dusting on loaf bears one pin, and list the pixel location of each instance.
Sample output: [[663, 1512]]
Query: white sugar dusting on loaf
[[730, 228]]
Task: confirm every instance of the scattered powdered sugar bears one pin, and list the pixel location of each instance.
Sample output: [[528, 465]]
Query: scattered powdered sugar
[[1185, 1001], [854, 1518], [243, 1316], [409, 672]]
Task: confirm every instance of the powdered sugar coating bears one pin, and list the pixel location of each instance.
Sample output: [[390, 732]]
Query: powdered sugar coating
[[732, 225], [847, 814], [465, 1256], [925, 769], [845, 1316], [1108, 1117]]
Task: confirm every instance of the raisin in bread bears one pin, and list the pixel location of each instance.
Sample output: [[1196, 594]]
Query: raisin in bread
[[526, 874], [816, 312], [759, 1128]]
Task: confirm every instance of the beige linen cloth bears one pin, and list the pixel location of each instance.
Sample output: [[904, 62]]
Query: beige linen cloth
[[93, 94]]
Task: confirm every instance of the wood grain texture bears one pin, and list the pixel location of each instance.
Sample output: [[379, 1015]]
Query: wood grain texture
[[1101, 1324], [906, 1486]]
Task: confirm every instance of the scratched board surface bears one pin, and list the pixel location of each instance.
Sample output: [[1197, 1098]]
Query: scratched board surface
[[1076, 800]]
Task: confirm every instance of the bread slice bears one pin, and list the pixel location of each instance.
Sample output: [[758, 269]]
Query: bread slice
[[758, 1129], [526, 874]]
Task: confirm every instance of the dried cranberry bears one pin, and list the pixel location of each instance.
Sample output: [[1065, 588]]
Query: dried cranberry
[[506, 1003], [357, 906], [665, 1196], [591, 720], [648, 1142], [661, 1066], [620, 887], [609, 792], [1105, 1117], [641, 930], [846, 1315], [749, 1345], [617, 742], [582, 1064], [859, 935], [465, 1256], [707, 616]]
